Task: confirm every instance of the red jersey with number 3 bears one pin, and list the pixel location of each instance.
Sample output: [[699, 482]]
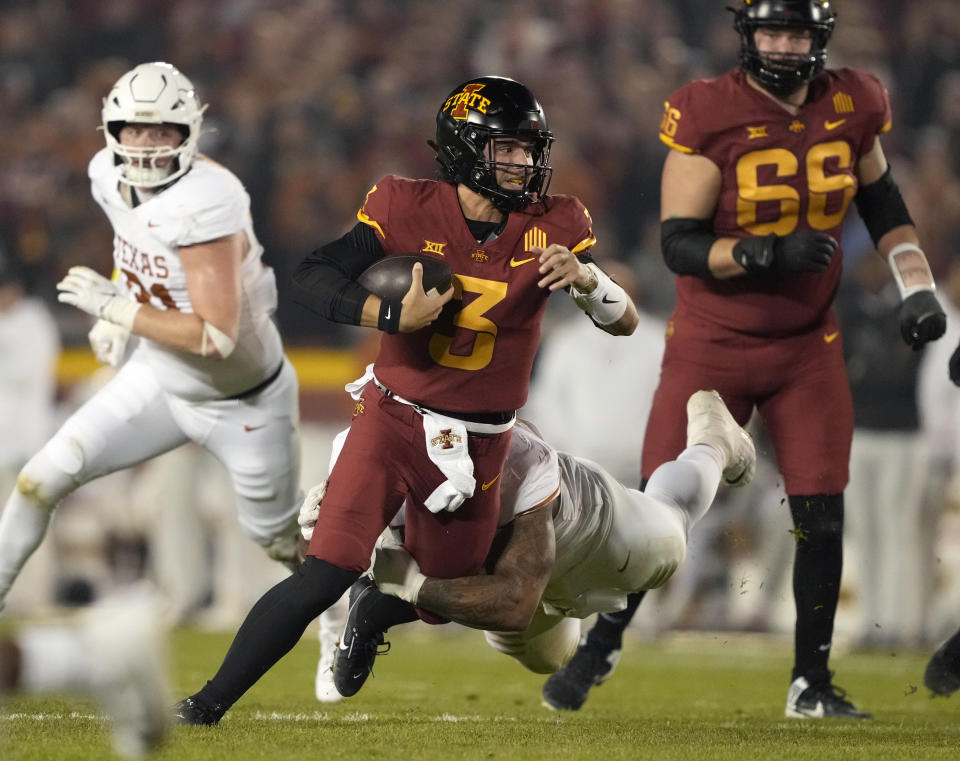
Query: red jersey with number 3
[[780, 174], [478, 355]]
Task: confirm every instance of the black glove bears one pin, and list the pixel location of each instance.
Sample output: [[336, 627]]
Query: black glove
[[796, 252], [922, 320], [955, 366]]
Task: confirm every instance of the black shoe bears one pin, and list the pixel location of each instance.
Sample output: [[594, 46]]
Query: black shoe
[[357, 649], [189, 711], [942, 676], [822, 700], [567, 689]]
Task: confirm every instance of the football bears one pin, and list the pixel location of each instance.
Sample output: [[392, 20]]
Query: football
[[390, 277]]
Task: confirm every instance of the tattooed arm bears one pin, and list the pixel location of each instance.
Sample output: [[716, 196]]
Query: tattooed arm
[[506, 598]]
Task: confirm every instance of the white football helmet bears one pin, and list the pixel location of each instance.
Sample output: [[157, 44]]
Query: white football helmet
[[152, 93]]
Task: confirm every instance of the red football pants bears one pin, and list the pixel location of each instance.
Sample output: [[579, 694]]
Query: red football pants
[[384, 461], [798, 384]]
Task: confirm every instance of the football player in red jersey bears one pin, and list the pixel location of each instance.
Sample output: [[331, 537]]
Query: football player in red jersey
[[434, 412], [764, 163]]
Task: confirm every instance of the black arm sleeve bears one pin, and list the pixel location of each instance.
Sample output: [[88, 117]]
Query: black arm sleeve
[[686, 246], [881, 206], [325, 279]]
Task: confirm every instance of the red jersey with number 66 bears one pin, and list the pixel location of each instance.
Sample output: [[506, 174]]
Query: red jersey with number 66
[[478, 355], [780, 174]]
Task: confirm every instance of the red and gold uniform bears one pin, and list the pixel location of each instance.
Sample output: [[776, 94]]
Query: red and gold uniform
[[770, 341], [475, 359]]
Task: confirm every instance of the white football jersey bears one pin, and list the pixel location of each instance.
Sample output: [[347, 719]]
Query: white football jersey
[[610, 540], [207, 203]]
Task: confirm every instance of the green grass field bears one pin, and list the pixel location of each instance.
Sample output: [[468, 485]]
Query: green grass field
[[449, 696]]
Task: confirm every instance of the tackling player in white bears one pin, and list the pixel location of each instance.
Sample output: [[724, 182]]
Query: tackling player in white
[[187, 320], [573, 541]]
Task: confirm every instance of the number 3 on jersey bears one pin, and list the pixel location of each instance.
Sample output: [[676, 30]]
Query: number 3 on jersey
[[471, 317], [820, 185]]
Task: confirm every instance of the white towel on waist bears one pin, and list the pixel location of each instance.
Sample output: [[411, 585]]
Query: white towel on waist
[[446, 440], [355, 387]]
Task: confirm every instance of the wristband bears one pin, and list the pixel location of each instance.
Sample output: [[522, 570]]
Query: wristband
[[389, 318], [606, 303], [908, 290]]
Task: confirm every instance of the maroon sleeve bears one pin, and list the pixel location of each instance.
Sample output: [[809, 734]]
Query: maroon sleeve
[[375, 211], [679, 125], [582, 239], [875, 101]]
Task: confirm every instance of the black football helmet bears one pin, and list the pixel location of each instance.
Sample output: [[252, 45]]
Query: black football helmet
[[785, 73], [471, 118]]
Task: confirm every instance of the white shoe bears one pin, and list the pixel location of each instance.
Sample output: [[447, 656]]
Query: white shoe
[[325, 689], [710, 422], [124, 637]]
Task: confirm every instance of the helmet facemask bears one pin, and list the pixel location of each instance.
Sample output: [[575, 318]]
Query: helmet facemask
[[782, 74], [531, 180], [153, 93]]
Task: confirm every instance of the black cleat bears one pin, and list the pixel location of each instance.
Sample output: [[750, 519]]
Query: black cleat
[[942, 676], [567, 689], [822, 700], [189, 711], [357, 649]]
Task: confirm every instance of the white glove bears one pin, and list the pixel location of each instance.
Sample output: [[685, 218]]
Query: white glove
[[395, 570], [94, 294], [109, 342], [310, 509]]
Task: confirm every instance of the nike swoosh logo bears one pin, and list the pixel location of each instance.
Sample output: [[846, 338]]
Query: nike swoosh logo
[[490, 483], [387, 315], [624, 566], [515, 263], [830, 337], [153, 224], [605, 300], [834, 125], [249, 428]]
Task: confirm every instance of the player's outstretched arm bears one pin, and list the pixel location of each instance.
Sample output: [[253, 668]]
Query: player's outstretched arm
[[503, 600]]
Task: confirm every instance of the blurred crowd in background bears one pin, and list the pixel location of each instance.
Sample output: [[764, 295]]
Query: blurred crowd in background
[[312, 101]]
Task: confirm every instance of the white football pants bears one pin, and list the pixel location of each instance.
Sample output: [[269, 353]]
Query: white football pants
[[130, 420]]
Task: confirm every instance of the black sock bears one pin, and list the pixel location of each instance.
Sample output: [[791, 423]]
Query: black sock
[[607, 633], [818, 564], [379, 612], [272, 627]]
